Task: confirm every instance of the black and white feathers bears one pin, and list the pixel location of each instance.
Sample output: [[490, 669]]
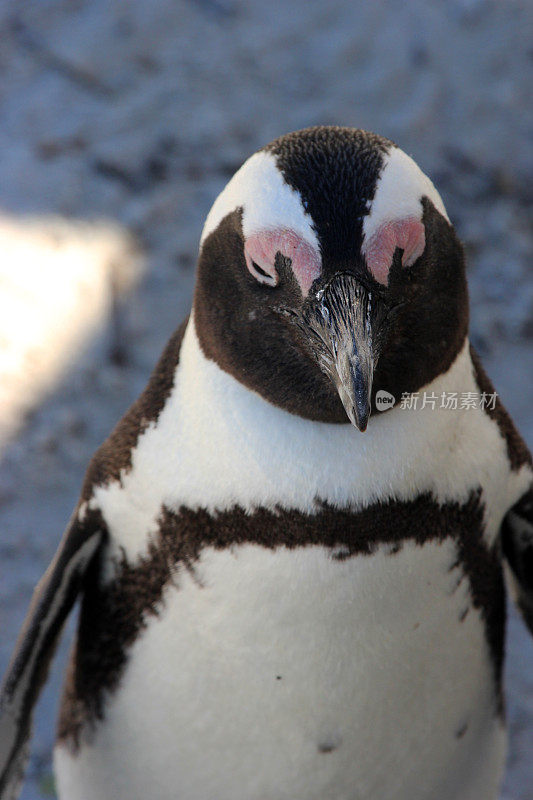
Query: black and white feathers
[[274, 604]]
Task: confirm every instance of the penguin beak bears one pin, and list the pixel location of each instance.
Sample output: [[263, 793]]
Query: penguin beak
[[352, 377], [339, 323]]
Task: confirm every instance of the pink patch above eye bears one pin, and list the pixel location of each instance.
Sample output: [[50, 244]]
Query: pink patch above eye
[[260, 250], [407, 234]]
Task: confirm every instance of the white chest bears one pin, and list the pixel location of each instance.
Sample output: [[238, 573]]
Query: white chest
[[286, 674], [216, 444]]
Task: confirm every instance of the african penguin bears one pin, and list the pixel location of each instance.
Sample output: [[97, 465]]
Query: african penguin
[[275, 606]]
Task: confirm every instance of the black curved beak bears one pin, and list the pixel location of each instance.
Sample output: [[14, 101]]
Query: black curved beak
[[342, 322], [355, 390]]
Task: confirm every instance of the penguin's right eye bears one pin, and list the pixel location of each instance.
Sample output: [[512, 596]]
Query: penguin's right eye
[[259, 264], [261, 272], [270, 278], [263, 248]]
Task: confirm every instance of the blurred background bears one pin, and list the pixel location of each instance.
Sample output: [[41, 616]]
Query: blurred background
[[121, 120]]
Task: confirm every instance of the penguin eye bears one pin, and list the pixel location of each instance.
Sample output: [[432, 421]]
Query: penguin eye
[[261, 272], [262, 249], [259, 266], [406, 237]]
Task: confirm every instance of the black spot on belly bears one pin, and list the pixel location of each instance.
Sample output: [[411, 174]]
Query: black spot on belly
[[328, 747], [460, 732]]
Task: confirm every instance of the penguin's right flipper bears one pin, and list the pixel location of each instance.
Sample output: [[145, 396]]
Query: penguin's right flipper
[[517, 543], [52, 600]]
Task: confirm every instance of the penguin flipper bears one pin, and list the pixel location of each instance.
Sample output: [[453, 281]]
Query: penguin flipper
[[517, 544], [52, 600]]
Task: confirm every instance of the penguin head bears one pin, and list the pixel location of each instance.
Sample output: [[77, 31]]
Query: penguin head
[[328, 272]]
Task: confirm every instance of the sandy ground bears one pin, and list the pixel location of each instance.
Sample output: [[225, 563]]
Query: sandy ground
[[120, 122]]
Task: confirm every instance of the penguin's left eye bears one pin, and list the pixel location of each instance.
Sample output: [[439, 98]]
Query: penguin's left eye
[[408, 236]]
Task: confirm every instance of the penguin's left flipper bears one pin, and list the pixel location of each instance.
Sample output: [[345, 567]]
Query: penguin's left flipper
[[517, 544], [52, 600]]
